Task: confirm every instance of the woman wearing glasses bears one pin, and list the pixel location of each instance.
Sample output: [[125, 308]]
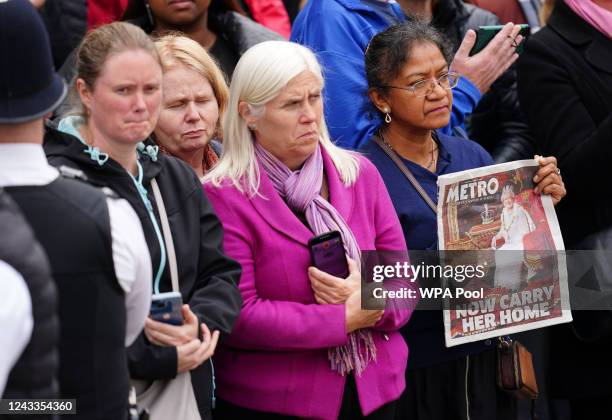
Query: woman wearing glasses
[[410, 84]]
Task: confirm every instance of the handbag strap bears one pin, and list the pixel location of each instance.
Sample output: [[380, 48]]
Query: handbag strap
[[402, 167], [167, 235]]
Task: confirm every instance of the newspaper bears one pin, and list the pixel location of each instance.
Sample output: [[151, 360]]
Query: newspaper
[[492, 218]]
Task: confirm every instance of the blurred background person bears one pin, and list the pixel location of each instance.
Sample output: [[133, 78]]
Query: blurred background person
[[119, 92], [281, 181], [194, 100], [270, 13], [339, 32], [517, 11], [409, 78], [94, 242], [68, 21], [565, 86], [225, 34]]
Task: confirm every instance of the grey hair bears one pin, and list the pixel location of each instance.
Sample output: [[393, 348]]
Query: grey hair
[[262, 72]]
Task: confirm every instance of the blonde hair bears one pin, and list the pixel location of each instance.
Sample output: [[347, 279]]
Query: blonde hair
[[176, 50], [96, 48], [262, 72]]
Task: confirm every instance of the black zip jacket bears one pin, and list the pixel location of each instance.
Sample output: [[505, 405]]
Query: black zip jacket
[[207, 277]]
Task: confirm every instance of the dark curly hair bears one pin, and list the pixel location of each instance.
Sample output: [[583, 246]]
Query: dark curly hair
[[389, 50]]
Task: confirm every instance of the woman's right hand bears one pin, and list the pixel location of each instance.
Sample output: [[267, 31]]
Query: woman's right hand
[[483, 68], [195, 352], [357, 318], [162, 334], [333, 290]]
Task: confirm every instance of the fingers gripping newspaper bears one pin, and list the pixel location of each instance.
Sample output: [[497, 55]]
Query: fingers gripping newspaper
[[490, 218]]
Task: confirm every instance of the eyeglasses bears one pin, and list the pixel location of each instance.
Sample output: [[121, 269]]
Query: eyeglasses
[[423, 88]]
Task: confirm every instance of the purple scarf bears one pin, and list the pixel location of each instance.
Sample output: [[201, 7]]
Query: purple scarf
[[301, 191]]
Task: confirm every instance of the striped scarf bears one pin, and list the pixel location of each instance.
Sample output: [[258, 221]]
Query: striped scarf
[[301, 191]]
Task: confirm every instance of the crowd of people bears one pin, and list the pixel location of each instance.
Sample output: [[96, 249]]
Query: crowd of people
[[181, 152]]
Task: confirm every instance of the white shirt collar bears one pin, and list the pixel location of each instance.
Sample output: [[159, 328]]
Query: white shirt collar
[[25, 164]]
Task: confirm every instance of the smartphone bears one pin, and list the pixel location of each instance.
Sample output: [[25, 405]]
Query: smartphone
[[167, 307], [485, 34], [327, 254]]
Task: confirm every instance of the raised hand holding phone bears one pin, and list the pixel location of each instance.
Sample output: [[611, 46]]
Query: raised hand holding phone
[[484, 68], [485, 34]]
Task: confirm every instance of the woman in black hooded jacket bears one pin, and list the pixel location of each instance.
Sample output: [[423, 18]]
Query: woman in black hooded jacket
[[119, 81]]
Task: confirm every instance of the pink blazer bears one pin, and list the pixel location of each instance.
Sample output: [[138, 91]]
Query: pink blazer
[[275, 360]]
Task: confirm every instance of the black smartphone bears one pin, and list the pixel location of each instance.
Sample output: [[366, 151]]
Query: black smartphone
[[485, 34], [327, 254], [167, 307]]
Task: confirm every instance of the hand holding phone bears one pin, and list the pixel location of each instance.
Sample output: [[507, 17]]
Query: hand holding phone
[[164, 334], [485, 67], [485, 34], [329, 289]]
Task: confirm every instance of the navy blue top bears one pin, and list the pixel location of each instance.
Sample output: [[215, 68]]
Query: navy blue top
[[425, 332]]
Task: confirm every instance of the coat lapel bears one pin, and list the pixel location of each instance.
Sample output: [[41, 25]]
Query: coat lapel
[[341, 196], [275, 211], [279, 216]]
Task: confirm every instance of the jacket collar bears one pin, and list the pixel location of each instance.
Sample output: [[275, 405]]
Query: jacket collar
[[577, 32], [59, 144], [275, 211]]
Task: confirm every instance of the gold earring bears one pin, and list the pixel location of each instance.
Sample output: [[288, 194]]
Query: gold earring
[[387, 117]]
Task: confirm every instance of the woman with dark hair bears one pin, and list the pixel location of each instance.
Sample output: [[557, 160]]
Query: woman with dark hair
[[410, 85], [225, 34]]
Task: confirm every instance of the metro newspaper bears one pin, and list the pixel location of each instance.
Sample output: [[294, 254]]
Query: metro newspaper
[[491, 217]]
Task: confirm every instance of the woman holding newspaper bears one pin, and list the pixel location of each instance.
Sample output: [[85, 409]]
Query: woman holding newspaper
[[410, 84]]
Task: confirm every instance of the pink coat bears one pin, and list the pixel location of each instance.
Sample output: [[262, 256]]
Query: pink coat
[[276, 357]]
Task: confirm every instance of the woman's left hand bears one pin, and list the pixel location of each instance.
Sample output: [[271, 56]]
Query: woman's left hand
[[329, 289], [548, 179]]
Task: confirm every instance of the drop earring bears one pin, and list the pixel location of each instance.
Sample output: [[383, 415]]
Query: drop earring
[[387, 116]]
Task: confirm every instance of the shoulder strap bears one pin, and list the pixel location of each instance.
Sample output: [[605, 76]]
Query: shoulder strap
[[402, 167], [77, 174], [165, 224]]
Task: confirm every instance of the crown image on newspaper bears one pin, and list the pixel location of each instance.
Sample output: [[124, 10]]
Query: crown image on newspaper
[[487, 215]]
